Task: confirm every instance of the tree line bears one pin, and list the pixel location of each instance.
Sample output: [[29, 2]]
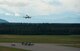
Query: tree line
[[39, 29]]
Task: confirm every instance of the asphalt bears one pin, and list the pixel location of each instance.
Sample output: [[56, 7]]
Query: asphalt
[[41, 47]]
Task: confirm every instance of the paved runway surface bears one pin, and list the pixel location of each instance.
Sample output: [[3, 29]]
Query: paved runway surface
[[41, 47]]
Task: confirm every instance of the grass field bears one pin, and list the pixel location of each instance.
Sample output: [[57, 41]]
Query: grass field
[[62, 39], [10, 49]]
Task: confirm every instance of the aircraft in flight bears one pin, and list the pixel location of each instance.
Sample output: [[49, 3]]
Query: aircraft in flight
[[27, 17]]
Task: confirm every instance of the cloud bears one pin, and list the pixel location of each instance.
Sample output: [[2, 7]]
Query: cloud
[[40, 7], [14, 3], [8, 14], [71, 5], [16, 14], [53, 2]]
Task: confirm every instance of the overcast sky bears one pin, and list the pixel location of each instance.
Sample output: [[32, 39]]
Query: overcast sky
[[41, 11]]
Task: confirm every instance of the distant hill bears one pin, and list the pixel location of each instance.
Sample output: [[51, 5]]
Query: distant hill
[[3, 21]]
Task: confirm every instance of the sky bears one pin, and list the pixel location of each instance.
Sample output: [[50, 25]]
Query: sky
[[41, 11]]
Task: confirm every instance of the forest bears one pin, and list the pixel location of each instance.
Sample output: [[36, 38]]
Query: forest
[[39, 29]]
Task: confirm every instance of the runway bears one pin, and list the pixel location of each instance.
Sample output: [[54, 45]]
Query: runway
[[41, 47]]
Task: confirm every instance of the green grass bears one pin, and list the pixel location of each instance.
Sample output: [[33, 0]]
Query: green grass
[[40, 38], [10, 49], [62, 39]]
